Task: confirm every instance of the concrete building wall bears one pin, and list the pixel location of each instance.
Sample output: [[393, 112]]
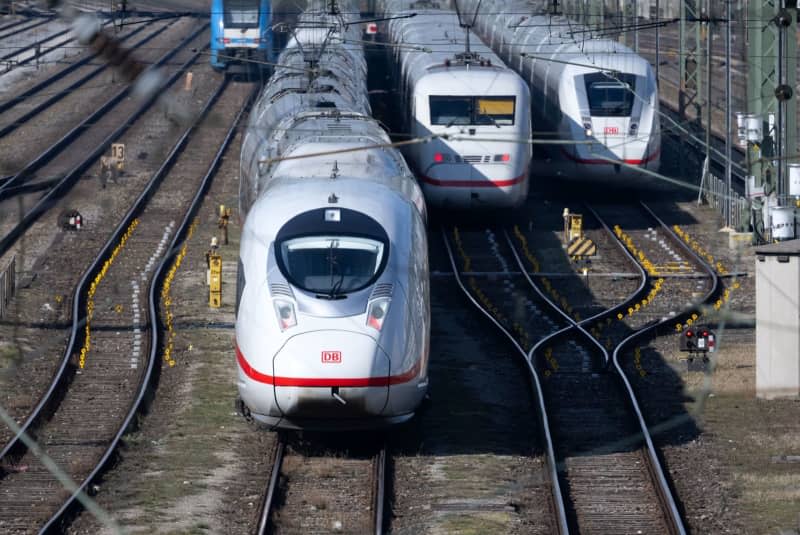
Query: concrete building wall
[[777, 326]]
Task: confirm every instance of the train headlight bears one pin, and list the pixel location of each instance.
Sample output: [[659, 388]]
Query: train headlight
[[634, 128], [587, 125], [376, 312], [284, 311]]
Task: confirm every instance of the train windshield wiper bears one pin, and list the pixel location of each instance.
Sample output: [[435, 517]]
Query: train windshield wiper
[[490, 118]]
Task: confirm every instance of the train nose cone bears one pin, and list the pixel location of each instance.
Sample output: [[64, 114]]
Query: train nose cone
[[331, 374]]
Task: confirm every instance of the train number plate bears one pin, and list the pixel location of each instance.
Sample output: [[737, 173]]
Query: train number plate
[[331, 357], [611, 130]]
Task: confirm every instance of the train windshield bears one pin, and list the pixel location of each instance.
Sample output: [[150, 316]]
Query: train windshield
[[241, 13], [458, 110], [610, 97], [332, 265]]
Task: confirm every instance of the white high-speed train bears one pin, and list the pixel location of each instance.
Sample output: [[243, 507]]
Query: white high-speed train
[[471, 97], [583, 87], [333, 317]]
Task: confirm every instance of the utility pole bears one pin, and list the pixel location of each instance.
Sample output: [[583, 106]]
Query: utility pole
[[658, 42], [633, 22], [728, 111], [707, 29], [690, 52], [771, 78]]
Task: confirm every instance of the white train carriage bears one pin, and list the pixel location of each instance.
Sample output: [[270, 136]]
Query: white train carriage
[[333, 317], [584, 88], [479, 107]]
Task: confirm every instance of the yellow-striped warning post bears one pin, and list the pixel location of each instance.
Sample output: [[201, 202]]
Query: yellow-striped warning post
[[581, 247]]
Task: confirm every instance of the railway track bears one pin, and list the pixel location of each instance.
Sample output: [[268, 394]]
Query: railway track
[[316, 489], [90, 139], [33, 101], [31, 52], [674, 283], [522, 317], [21, 26], [609, 484], [100, 386], [38, 320]]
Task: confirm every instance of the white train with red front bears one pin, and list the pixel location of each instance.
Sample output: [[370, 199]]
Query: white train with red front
[[584, 87], [466, 94], [333, 318]]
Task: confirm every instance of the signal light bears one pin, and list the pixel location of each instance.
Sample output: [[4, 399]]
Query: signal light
[[372, 28]]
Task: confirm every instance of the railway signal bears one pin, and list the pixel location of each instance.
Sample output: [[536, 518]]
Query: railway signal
[[71, 220], [698, 342]]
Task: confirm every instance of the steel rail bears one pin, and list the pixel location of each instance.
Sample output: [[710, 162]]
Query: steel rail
[[13, 25], [32, 26], [33, 46], [55, 97], [662, 487], [72, 176], [380, 489], [651, 328], [57, 76], [48, 154], [272, 487], [147, 382], [558, 498], [46, 402]]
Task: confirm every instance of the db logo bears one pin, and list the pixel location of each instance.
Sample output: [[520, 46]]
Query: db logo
[[331, 357], [611, 130]]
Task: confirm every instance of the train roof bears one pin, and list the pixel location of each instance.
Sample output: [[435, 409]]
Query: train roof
[[529, 29], [384, 200], [481, 81], [433, 39]]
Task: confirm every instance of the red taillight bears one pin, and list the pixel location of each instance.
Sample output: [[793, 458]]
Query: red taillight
[[438, 157], [226, 40], [502, 157]]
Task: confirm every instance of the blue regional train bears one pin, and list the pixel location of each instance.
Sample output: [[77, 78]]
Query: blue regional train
[[240, 29]]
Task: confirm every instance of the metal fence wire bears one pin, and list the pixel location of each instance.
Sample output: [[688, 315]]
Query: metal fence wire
[[716, 195]]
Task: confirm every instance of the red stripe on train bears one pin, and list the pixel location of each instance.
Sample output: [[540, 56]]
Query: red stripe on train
[[320, 382], [595, 161], [473, 183]]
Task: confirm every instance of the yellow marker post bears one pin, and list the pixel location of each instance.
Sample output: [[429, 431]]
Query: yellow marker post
[[215, 280]]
